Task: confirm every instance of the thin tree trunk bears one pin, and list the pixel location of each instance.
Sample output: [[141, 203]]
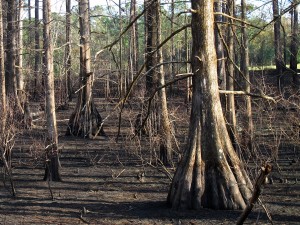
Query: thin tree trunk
[[68, 84], [52, 160], [230, 103], [37, 59], [133, 49], [278, 46], [172, 47], [166, 154], [19, 55], [219, 46], [2, 77], [210, 173], [294, 45], [248, 136]]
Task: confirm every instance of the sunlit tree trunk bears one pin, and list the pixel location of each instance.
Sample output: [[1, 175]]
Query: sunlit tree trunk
[[219, 45], [230, 101], [210, 173], [248, 136], [85, 121], [19, 54], [294, 45], [52, 160]]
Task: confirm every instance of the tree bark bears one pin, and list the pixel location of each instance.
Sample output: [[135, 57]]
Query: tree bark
[[280, 65], [248, 135], [294, 45], [2, 76], [210, 174], [68, 59], [10, 75], [37, 59], [52, 159], [219, 46], [166, 151], [85, 121], [151, 40], [230, 102]]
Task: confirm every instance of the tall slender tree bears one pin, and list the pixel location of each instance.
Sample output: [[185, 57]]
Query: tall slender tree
[[210, 173], [52, 161], [85, 121], [68, 59], [10, 75], [280, 65], [230, 101], [19, 53], [294, 44], [2, 77], [37, 57], [134, 46], [248, 136], [166, 151]]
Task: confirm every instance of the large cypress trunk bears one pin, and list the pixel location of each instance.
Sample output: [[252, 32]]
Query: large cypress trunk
[[85, 121], [210, 173]]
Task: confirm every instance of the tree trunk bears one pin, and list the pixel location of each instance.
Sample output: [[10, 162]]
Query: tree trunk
[[19, 55], [210, 173], [278, 46], [52, 159], [219, 46], [2, 77], [68, 59], [10, 75], [37, 59], [230, 102], [85, 121], [133, 48], [166, 152], [248, 135], [294, 45], [151, 40]]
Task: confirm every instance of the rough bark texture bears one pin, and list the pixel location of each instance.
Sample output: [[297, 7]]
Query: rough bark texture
[[10, 75], [210, 173], [151, 40], [52, 160], [85, 120]]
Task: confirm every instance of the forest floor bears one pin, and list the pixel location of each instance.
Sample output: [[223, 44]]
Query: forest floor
[[105, 182]]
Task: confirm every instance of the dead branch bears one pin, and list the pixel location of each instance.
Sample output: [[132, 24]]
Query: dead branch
[[260, 181], [262, 95]]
